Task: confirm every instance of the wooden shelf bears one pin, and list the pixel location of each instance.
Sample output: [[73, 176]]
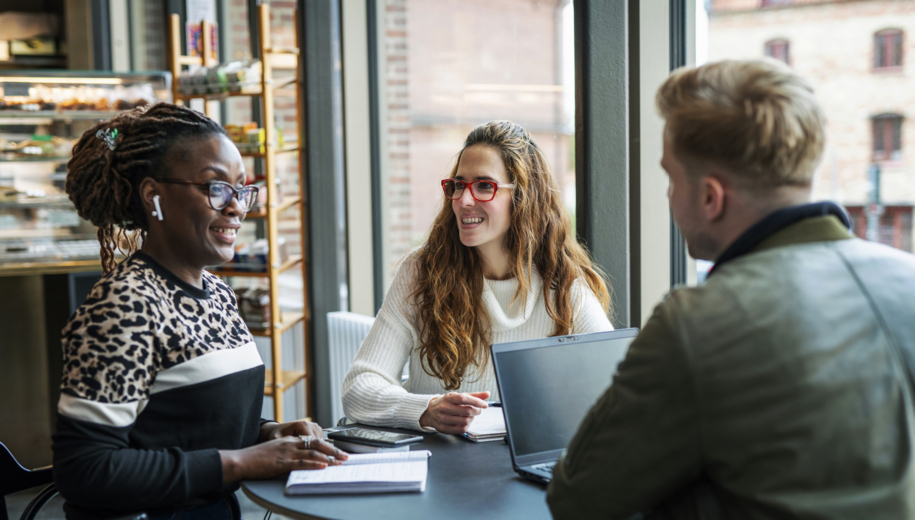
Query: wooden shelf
[[292, 261], [286, 204], [289, 319], [216, 96], [285, 149], [263, 92], [287, 380]]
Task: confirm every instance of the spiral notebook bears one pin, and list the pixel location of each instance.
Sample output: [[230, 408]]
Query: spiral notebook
[[365, 473]]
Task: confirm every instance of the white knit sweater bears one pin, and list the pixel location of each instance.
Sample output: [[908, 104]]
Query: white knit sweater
[[372, 390]]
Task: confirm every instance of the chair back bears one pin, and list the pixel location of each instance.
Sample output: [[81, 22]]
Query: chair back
[[345, 331], [14, 478]]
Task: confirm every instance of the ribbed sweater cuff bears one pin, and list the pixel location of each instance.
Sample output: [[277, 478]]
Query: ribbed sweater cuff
[[410, 409], [204, 470]]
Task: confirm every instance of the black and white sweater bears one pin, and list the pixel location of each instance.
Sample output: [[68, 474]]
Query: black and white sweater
[[158, 376]]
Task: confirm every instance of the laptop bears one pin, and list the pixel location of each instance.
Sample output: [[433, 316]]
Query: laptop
[[547, 386]]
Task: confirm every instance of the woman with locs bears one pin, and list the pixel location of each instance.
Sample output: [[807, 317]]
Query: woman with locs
[[162, 385], [501, 264]]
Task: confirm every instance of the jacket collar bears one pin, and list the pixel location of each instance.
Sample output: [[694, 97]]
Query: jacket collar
[[818, 222]]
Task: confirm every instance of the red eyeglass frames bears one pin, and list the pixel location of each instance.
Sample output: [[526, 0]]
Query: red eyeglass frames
[[485, 191]]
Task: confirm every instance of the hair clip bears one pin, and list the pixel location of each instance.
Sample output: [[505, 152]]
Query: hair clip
[[110, 136]]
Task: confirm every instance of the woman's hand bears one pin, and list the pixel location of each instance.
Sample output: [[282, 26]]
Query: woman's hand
[[278, 456], [274, 430], [453, 412]]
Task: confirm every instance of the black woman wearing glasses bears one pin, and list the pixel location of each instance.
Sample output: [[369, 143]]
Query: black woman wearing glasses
[[162, 384], [501, 264]]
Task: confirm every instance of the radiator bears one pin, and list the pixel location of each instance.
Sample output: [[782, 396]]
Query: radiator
[[345, 331]]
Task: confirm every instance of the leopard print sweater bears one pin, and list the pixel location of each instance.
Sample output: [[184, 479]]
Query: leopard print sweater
[[158, 376]]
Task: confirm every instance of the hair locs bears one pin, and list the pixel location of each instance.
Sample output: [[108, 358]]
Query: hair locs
[[113, 157], [454, 325]]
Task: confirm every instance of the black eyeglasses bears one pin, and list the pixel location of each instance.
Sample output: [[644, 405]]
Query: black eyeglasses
[[220, 193]]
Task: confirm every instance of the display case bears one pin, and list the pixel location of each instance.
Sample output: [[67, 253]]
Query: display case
[[42, 114]]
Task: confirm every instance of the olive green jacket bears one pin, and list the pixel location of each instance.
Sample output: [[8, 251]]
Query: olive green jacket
[[781, 388]]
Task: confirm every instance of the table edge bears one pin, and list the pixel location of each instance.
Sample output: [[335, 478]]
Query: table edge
[[270, 506]]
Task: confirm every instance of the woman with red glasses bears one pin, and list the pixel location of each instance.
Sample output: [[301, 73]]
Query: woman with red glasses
[[501, 264], [162, 384]]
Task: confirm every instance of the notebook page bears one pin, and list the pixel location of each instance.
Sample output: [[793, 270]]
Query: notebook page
[[376, 458], [489, 422], [414, 471]]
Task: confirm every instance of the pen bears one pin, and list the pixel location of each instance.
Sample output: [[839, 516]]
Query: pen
[[495, 403]]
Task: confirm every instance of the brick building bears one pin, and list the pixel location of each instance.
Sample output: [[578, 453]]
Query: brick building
[[859, 57]]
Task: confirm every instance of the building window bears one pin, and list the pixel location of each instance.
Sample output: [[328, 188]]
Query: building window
[[894, 225], [888, 49], [777, 49], [887, 137]]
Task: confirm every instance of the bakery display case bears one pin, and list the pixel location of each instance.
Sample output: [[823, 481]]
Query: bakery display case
[[42, 114]]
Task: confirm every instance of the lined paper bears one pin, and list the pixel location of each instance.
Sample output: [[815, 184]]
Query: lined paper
[[365, 473]]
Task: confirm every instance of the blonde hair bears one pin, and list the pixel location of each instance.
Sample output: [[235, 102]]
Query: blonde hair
[[454, 325], [758, 118]]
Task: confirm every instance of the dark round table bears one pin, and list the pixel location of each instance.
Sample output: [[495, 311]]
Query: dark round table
[[466, 480]]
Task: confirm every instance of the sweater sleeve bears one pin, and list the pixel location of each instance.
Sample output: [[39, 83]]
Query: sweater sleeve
[[109, 367], [590, 315], [372, 390]]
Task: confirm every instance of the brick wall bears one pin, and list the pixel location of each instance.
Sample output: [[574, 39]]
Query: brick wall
[[396, 63]]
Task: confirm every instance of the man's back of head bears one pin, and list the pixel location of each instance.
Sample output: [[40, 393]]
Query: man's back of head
[[758, 118], [742, 139]]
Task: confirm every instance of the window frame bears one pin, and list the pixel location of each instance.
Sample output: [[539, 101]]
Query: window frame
[[893, 52], [770, 46], [890, 138]]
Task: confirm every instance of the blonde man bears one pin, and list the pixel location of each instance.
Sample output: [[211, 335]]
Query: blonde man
[[782, 387]]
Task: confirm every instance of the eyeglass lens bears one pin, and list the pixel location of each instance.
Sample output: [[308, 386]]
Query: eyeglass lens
[[482, 191], [221, 196]]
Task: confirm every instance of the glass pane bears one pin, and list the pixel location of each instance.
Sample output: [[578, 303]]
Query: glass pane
[[147, 35], [879, 132], [834, 45], [450, 65], [880, 51]]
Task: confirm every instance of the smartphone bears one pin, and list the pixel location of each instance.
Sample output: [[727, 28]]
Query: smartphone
[[374, 437]]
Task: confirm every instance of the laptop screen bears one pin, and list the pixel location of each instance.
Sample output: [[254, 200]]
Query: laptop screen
[[547, 386]]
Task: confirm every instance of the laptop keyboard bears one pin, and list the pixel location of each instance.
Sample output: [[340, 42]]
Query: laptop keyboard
[[545, 466]]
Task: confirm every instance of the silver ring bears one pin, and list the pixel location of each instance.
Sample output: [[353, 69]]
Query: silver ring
[[308, 440]]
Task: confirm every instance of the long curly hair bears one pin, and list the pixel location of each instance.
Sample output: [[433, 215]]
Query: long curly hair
[[455, 330], [104, 183]]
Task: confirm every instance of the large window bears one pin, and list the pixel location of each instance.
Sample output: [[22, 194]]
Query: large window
[[836, 46], [449, 65], [888, 49]]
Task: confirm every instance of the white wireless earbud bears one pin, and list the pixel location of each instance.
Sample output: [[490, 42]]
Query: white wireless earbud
[[158, 212]]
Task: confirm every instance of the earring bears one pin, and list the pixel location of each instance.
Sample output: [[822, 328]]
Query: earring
[[158, 212]]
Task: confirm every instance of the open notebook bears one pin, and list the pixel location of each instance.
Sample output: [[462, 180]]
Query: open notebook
[[488, 426], [365, 473]]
